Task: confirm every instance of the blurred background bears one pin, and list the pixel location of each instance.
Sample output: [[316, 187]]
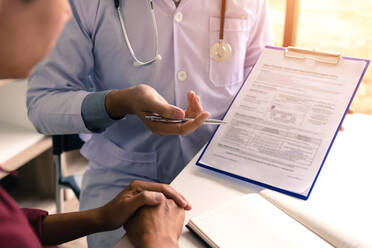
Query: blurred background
[[342, 26]]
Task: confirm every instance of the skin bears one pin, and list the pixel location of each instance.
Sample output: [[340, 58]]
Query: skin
[[61, 228], [350, 112], [156, 237], [142, 98], [28, 31]]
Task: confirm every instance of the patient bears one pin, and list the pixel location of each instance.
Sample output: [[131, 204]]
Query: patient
[[28, 30]]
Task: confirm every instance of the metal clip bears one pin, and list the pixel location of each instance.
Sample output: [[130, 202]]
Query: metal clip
[[318, 56]]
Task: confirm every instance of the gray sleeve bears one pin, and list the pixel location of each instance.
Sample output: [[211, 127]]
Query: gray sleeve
[[94, 113]]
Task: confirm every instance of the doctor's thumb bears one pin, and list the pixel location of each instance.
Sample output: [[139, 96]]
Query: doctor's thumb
[[170, 111]]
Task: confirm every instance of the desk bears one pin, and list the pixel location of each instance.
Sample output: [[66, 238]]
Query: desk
[[19, 141], [18, 146], [5, 81], [349, 164]]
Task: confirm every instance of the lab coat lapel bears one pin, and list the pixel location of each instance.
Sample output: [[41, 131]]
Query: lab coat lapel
[[172, 5]]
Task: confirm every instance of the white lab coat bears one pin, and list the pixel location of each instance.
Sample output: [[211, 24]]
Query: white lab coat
[[91, 55]]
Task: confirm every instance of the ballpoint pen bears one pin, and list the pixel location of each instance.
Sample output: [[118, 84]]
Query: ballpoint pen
[[170, 120]]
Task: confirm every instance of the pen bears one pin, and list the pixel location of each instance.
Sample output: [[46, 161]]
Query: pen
[[170, 120]]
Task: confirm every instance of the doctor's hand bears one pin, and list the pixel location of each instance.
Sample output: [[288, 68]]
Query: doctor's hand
[[136, 195], [194, 110], [142, 99], [156, 226], [350, 112]]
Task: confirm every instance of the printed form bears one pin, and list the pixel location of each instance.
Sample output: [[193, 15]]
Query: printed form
[[283, 120]]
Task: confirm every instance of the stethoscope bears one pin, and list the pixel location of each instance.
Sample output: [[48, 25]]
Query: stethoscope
[[138, 62], [220, 51]]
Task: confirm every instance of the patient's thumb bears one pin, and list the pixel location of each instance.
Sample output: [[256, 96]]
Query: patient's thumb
[[148, 198]]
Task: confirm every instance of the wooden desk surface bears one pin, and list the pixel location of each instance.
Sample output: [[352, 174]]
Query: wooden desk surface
[[19, 145]]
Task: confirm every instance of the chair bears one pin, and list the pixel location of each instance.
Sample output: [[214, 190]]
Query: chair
[[61, 144]]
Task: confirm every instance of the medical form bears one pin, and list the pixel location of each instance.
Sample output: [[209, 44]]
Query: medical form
[[283, 121]]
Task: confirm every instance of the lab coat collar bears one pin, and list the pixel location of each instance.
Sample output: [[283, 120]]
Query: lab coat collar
[[180, 7]]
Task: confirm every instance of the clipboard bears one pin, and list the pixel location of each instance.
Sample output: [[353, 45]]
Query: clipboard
[[291, 55]]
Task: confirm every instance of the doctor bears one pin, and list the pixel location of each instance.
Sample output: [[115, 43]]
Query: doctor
[[188, 51], [28, 30]]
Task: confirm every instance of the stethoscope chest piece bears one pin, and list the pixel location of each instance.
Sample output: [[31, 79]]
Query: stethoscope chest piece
[[221, 51]]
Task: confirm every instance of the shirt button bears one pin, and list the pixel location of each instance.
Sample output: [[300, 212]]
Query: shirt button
[[182, 75], [178, 17]]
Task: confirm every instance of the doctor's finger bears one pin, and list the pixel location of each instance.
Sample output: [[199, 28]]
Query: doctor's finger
[[160, 128], [194, 101], [190, 126], [350, 111], [165, 129], [166, 110], [194, 107]]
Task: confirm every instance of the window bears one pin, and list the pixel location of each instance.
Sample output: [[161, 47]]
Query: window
[[343, 26]]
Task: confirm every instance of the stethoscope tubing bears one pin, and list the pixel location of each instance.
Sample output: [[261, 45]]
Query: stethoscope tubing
[[137, 62], [222, 23]]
